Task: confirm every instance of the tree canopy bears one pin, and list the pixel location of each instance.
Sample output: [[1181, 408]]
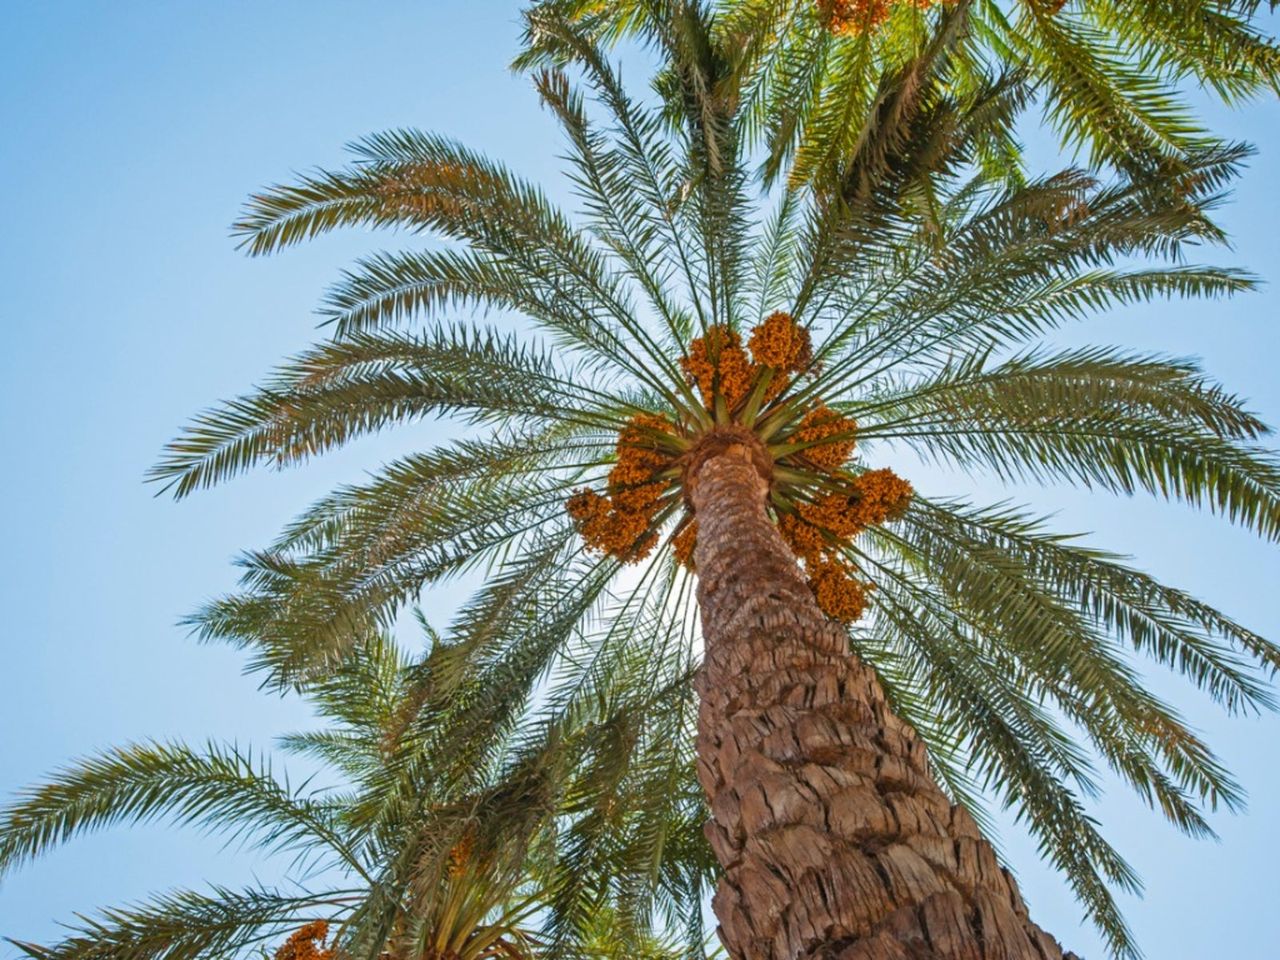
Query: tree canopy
[[428, 827], [930, 281]]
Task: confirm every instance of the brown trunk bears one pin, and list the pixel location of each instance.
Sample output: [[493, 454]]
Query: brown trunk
[[836, 842]]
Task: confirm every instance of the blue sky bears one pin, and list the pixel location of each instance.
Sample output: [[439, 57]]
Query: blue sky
[[131, 133]]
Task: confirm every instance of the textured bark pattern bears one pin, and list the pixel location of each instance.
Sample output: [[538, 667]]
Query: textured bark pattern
[[835, 840]]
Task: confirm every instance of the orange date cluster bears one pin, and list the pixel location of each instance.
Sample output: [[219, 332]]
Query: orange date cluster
[[718, 363], [818, 514], [306, 943], [460, 854], [857, 17], [818, 530], [620, 522]]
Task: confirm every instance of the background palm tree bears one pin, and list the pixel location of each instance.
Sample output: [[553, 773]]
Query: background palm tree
[[915, 289], [407, 852], [1111, 74]]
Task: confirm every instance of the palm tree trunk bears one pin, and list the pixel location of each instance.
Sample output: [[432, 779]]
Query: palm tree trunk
[[835, 840]]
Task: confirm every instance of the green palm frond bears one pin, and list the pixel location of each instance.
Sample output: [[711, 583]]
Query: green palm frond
[[1012, 264], [629, 183], [221, 789], [309, 406], [509, 637], [409, 179], [289, 604], [186, 925], [1120, 453], [1201, 40], [1096, 86], [1098, 418], [1158, 621], [419, 480], [391, 288], [1072, 383]]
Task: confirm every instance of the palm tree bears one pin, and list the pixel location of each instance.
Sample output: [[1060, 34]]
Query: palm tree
[[679, 404], [409, 854], [1109, 71]]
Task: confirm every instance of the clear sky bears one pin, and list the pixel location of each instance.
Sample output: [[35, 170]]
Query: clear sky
[[129, 134]]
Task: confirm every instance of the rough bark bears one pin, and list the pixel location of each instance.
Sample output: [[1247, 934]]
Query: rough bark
[[835, 840]]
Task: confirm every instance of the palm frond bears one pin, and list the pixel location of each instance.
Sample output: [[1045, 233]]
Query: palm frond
[[219, 788], [1159, 621], [187, 925], [343, 389], [1176, 439]]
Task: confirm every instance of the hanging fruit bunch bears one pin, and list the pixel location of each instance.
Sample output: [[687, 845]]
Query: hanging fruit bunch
[[307, 943], [461, 853], [621, 522], [852, 18], [818, 501]]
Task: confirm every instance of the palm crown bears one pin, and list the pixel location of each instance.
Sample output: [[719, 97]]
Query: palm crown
[[1109, 73], [410, 851], [897, 299]]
